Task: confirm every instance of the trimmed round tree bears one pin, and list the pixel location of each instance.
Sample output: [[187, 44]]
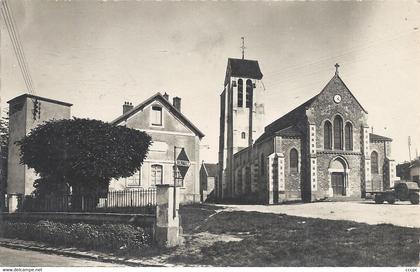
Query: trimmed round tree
[[83, 154]]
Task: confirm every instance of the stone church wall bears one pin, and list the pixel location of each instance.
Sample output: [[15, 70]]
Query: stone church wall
[[292, 179]]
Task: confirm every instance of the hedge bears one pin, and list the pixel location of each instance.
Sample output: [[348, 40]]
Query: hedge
[[104, 237]]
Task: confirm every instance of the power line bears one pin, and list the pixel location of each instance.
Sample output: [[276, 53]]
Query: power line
[[344, 53], [22, 52], [17, 46]]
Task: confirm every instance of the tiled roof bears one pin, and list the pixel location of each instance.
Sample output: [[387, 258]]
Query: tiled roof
[[168, 105], [244, 68], [289, 132], [291, 118], [211, 169], [286, 121], [379, 138]]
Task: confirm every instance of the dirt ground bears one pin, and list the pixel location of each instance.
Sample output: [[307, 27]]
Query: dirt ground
[[400, 214]]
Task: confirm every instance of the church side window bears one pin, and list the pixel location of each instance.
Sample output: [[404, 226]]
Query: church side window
[[156, 116], [338, 133], [243, 135], [349, 136], [374, 163], [156, 174], [262, 165], [327, 135], [294, 160], [249, 93], [240, 93]]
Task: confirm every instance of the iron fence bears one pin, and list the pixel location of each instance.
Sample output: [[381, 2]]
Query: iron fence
[[126, 201]]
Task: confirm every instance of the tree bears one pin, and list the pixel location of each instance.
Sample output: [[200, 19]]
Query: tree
[[83, 154]]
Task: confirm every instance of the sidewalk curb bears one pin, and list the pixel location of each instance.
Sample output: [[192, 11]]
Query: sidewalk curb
[[85, 255]]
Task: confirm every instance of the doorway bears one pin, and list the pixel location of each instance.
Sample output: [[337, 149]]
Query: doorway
[[337, 184]]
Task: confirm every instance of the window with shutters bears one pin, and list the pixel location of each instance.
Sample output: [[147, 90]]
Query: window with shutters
[[327, 135], [156, 174], [156, 116]]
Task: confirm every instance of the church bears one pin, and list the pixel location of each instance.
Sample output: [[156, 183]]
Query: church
[[322, 149]]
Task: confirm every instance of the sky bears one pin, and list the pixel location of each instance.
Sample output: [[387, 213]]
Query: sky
[[98, 54]]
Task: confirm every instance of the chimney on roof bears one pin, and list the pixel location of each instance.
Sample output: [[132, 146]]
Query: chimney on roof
[[177, 103], [127, 107], [166, 96]]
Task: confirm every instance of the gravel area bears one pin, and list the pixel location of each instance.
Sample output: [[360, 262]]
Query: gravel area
[[400, 214]]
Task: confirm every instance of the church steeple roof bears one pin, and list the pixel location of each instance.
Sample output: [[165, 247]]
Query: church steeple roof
[[244, 68]]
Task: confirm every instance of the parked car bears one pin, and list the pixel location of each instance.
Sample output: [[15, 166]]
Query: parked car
[[403, 191]]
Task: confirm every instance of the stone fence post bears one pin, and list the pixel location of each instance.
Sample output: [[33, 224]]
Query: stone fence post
[[13, 202], [167, 229]]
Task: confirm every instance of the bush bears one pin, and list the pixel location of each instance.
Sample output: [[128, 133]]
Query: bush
[[105, 237]]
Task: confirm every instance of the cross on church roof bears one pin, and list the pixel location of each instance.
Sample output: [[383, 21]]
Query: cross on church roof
[[243, 47], [336, 68]]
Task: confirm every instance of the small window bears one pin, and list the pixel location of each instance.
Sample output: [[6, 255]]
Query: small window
[[134, 180], [156, 116], [156, 174], [294, 160], [240, 93], [374, 163], [243, 135]]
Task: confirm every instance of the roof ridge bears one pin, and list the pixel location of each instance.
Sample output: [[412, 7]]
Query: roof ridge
[[128, 114]]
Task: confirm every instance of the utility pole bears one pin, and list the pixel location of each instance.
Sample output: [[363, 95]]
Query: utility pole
[[409, 147]]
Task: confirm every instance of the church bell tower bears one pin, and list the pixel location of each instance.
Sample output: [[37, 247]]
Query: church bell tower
[[241, 117]]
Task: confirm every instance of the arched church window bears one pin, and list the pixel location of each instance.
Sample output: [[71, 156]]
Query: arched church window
[[262, 164], [294, 160], [349, 136], [327, 135], [374, 163], [240, 93], [249, 92], [243, 135], [338, 133]]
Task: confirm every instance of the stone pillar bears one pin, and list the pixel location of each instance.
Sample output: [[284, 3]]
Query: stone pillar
[[272, 174], [13, 202], [313, 160], [167, 229], [366, 159]]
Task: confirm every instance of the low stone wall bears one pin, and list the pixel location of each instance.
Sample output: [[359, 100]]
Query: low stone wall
[[145, 220]]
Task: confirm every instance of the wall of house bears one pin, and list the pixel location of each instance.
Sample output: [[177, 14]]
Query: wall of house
[[172, 133], [20, 178], [415, 173]]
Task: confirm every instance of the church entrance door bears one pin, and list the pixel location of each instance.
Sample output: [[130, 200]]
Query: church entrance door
[[337, 183]]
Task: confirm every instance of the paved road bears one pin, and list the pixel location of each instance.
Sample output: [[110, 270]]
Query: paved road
[[14, 257], [401, 214]]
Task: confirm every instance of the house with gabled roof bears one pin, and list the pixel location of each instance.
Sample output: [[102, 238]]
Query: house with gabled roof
[[208, 177], [170, 130], [321, 149]]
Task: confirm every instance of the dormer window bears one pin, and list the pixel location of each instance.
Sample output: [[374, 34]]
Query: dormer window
[[156, 116]]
